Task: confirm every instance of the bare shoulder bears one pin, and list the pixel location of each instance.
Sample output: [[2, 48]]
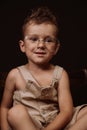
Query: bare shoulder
[[11, 77], [65, 75], [12, 73], [65, 78], [15, 80]]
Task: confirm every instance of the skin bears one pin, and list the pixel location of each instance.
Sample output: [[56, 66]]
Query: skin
[[38, 56]]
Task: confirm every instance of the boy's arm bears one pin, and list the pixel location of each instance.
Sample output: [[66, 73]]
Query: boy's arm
[[65, 105], [7, 101]]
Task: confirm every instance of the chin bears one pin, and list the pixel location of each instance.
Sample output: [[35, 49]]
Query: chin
[[41, 62]]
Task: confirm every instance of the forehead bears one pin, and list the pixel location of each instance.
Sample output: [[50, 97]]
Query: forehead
[[40, 29]]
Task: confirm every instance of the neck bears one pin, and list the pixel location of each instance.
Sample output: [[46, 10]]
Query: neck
[[35, 68]]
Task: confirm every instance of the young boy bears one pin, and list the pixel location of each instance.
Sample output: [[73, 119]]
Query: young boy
[[37, 95]]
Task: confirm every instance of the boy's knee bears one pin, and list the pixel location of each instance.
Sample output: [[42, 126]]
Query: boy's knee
[[16, 113]]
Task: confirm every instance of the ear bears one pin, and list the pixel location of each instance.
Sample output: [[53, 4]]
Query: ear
[[57, 48], [22, 46]]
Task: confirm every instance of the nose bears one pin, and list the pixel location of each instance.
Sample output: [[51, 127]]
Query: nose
[[40, 43]]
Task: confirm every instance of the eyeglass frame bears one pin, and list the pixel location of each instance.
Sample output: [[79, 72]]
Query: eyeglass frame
[[35, 39]]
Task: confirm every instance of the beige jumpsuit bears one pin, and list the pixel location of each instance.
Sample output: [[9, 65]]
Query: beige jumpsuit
[[41, 102]]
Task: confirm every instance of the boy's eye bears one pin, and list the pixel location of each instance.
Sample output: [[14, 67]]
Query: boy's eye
[[33, 39], [48, 40]]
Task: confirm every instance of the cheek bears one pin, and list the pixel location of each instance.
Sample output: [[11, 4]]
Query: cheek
[[52, 50], [29, 47]]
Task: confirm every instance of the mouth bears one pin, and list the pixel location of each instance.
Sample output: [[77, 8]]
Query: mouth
[[40, 53]]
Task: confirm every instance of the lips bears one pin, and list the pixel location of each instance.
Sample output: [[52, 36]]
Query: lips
[[40, 53]]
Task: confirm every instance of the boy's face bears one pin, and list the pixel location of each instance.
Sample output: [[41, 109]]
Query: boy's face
[[39, 43]]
